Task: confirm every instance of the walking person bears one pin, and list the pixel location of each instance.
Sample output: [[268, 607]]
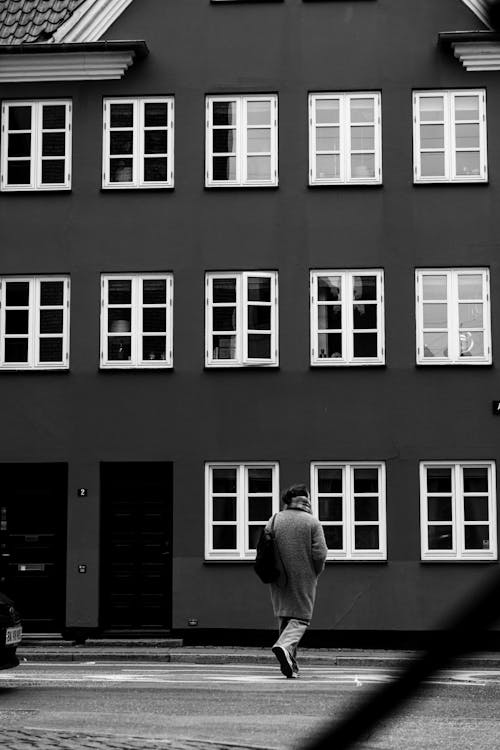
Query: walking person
[[301, 557]]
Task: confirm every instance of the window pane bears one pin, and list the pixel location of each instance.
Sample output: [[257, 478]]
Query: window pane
[[121, 142], [431, 108], [154, 348], [19, 144], [434, 287], [259, 318], [224, 537], [467, 136], [333, 536], [122, 115], [363, 138], [54, 116], [476, 509], [224, 508], [224, 168], [17, 293], [224, 113], [330, 509], [258, 141], [51, 350], [330, 480], [365, 345], [51, 293], [327, 110], [18, 173], [259, 346], [327, 139], [54, 144], [470, 315], [51, 321], [435, 315], [258, 113], [119, 292], [223, 480], [155, 142], [364, 287], [254, 533], [260, 508], [471, 344], [258, 167], [467, 107], [16, 350], [19, 118], [119, 320], [365, 480], [154, 291], [440, 537], [154, 319], [224, 347], [431, 136], [329, 288], [155, 114], [475, 479], [16, 321], [365, 316], [468, 163], [363, 165], [366, 509], [362, 110], [224, 290], [121, 170], [330, 345], [439, 509], [119, 348], [477, 537], [53, 172], [328, 167], [438, 480], [260, 480], [259, 289], [366, 537], [432, 165], [470, 286], [223, 141], [330, 316], [435, 344], [224, 319]]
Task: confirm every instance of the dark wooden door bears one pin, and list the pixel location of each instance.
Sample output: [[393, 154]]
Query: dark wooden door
[[33, 503], [136, 530]]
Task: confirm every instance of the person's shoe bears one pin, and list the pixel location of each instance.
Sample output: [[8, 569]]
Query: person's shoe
[[285, 661]]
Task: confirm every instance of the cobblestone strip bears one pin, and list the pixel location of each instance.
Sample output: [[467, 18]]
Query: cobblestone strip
[[37, 739]]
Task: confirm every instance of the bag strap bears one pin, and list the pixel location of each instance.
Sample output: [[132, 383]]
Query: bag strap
[[273, 535]]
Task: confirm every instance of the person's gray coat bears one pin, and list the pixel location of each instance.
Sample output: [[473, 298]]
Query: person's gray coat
[[301, 559]]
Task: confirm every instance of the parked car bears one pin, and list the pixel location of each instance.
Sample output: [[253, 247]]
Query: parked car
[[11, 632]]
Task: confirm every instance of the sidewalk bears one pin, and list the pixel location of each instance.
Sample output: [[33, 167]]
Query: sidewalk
[[172, 651]]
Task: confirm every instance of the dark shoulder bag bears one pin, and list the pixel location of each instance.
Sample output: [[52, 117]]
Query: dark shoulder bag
[[265, 560]]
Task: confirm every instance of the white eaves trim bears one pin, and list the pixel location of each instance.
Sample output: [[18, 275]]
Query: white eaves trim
[[90, 21], [76, 66], [480, 9], [476, 56]]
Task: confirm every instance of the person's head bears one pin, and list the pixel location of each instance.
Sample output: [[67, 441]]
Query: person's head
[[296, 490]]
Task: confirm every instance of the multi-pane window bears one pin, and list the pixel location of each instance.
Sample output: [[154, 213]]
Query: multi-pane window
[[449, 136], [241, 318], [36, 145], [138, 147], [242, 141], [345, 141], [347, 317], [458, 510], [349, 501], [240, 499], [34, 322], [136, 320], [453, 316]]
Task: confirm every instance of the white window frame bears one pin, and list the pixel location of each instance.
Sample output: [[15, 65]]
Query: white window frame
[[242, 551], [452, 301], [450, 149], [348, 551], [136, 333], [348, 330], [241, 179], [346, 176], [458, 553], [34, 336], [139, 130], [242, 331], [36, 159]]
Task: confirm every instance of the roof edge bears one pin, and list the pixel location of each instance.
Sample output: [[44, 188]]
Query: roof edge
[[480, 9], [90, 21], [138, 46]]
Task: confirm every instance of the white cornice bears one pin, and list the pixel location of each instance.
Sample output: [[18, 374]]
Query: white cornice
[[90, 21], [75, 66], [480, 8], [476, 56]]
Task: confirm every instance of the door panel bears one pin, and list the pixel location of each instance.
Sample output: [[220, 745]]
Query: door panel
[[136, 511]]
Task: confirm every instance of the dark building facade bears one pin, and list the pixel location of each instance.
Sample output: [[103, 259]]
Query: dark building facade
[[247, 244]]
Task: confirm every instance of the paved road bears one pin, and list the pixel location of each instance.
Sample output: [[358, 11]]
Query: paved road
[[76, 706]]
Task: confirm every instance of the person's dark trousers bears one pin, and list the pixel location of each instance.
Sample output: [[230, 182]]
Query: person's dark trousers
[[291, 630]]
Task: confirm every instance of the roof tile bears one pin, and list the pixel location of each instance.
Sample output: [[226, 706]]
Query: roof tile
[[24, 21]]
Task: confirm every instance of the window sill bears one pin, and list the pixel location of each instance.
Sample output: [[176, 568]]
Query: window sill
[[453, 364], [232, 561], [226, 368], [35, 191], [460, 560], [131, 369], [356, 560], [135, 188], [447, 183], [35, 370], [332, 363], [369, 184], [257, 186]]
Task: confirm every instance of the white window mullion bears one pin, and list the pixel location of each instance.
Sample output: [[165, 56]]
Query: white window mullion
[[139, 142], [243, 311]]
